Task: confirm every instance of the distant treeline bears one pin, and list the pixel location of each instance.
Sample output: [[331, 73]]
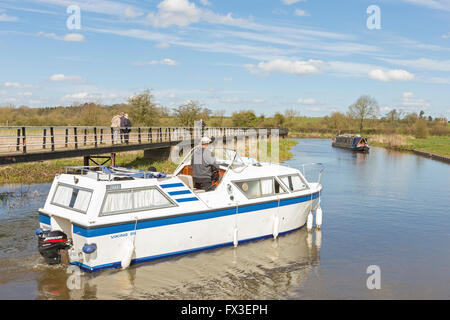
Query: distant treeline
[[362, 117]]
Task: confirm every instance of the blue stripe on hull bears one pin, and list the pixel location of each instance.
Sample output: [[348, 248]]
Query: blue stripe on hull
[[101, 231], [186, 199], [173, 254], [171, 185], [44, 219], [177, 193]]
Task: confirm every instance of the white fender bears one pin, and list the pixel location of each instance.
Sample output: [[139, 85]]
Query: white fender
[[235, 237], [309, 222], [319, 217], [128, 254], [276, 225]]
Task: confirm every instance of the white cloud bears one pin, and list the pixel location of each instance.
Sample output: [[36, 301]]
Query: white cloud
[[6, 18], [286, 66], [89, 96], [132, 13], [307, 101], [163, 45], [12, 85], [73, 37], [408, 95], [205, 2], [411, 103], [175, 12], [433, 4], [422, 63], [289, 2], [103, 7], [165, 61], [15, 85], [61, 77], [70, 37], [391, 75], [301, 13], [258, 100], [440, 80]]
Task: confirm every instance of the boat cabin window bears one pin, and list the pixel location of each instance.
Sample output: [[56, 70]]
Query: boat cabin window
[[294, 182], [260, 187], [72, 197], [137, 199]]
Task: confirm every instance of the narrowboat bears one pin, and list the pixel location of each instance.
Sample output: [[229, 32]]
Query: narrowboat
[[354, 143], [110, 217]]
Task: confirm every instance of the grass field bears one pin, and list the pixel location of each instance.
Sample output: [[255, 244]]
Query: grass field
[[434, 144]]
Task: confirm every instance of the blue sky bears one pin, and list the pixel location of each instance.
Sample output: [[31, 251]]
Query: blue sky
[[314, 56]]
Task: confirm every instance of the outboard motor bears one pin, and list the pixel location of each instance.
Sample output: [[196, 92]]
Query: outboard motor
[[50, 243]]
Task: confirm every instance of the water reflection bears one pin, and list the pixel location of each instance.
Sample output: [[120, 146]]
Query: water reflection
[[20, 196], [261, 269]]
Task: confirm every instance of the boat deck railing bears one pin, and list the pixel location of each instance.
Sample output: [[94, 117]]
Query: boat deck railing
[[313, 171], [104, 173]]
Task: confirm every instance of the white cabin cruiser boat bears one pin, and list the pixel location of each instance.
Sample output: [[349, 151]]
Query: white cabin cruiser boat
[[108, 217]]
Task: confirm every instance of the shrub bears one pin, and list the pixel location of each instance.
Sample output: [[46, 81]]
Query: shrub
[[421, 129]]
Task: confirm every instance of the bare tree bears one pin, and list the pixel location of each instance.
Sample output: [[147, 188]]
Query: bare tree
[[364, 108]]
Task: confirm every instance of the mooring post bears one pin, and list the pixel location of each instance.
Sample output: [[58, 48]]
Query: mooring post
[[113, 159], [67, 138], [24, 140], [139, 135], [112, 135], [160, 134], [95, 137], [18, 140], [101, 136], [75, 137], [44, 138], [52, 138], [150, 138]]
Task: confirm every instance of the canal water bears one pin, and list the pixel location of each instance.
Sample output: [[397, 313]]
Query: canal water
[[384, 209]]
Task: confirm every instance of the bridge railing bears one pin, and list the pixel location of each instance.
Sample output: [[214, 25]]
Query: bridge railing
[[27, 139]]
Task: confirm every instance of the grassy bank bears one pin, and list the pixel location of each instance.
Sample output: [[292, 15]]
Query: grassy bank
[[45, 171], [310, 135], [434, 144]]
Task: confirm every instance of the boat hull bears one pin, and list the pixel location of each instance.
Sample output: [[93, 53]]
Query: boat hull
[[364, 149], [176, 235]]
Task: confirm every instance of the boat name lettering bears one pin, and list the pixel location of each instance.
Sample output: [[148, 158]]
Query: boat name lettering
[[122, 235]]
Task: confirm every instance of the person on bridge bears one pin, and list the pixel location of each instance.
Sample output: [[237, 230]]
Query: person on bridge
[[115, 124], [124, 124], [203, 166]]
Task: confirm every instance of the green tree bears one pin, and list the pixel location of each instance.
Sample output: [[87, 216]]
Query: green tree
[[245, 118], [143, 111], [188, 113], [279, 119], [364, 108]]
